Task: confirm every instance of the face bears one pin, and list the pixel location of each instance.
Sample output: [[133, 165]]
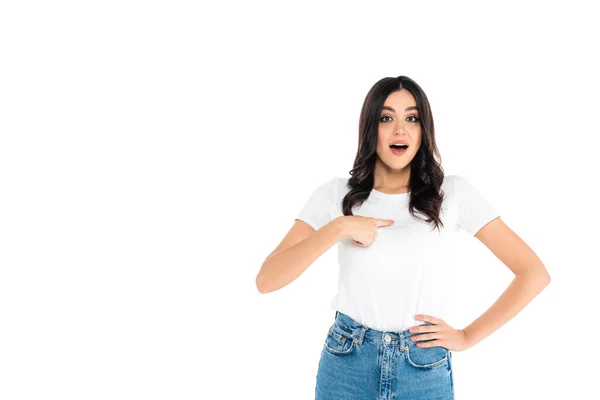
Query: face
[[398, 121]]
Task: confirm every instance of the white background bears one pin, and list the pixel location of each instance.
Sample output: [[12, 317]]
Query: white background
[[152, 154]]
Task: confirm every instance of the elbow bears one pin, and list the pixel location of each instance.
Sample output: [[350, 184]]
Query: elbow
[[538, 279], [541, 279], [545, 281], [260, 285], [544, 276], [547, 278]]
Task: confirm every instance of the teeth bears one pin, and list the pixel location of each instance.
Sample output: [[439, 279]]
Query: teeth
[[400, 145]]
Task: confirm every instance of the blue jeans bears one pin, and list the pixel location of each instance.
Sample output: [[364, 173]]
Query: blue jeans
[[361, 363]]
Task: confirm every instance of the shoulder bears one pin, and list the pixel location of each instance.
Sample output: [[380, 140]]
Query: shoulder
[[341, 186], [329, 189], [342, 182], [458, 188], [460, 185], [334, 184], [450, 183], [450, 179]]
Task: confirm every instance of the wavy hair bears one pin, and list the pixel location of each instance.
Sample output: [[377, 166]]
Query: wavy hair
[[426, 174]]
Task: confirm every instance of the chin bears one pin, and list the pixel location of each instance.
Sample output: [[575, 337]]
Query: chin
[[397, 166]]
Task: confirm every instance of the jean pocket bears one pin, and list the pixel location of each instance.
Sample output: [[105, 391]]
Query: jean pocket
[[338, 341], [425, 357]]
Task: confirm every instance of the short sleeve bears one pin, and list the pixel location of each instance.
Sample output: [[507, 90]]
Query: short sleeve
[[474, 210], [317, 210]]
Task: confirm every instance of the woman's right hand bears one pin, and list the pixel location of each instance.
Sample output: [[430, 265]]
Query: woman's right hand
[[362, 230]]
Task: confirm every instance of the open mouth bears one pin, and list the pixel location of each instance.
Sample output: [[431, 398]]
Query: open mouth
[[398, 149]]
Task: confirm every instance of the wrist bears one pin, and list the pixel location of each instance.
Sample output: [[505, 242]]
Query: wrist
[[340, 223], [468, 339]]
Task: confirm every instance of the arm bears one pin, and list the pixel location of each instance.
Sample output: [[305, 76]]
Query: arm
[[531, 277], [296, 252]]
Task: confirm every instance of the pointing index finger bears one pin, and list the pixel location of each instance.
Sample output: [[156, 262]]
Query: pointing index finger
[[384, 222]]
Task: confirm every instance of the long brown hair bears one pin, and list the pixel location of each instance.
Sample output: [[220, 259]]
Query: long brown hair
[[426, 174]]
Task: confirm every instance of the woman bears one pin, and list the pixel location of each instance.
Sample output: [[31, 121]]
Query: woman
[[394, 221]]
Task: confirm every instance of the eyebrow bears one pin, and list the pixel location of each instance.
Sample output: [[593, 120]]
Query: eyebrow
[[407, 108]]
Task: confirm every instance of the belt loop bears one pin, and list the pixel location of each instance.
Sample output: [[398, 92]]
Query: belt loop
[[362, 333]]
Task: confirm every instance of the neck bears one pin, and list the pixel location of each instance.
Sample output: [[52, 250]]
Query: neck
[[387, 180]]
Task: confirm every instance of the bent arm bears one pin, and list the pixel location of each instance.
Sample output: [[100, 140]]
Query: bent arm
[[523, 289], [531, 277], [284, 266]]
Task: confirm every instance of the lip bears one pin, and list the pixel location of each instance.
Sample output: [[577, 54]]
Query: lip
[[398, 152]]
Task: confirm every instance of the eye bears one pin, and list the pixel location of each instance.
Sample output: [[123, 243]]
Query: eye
[[415, 117], [385, 116]]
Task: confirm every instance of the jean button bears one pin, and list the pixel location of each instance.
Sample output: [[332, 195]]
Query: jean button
[[387, 338]]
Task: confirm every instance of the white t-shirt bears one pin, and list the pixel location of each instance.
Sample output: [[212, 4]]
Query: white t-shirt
[[405, 270]]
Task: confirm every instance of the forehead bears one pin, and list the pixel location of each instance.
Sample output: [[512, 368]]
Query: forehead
[[400, 100]]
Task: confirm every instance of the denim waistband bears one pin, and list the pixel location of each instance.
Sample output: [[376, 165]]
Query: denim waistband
[[363, 333]]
